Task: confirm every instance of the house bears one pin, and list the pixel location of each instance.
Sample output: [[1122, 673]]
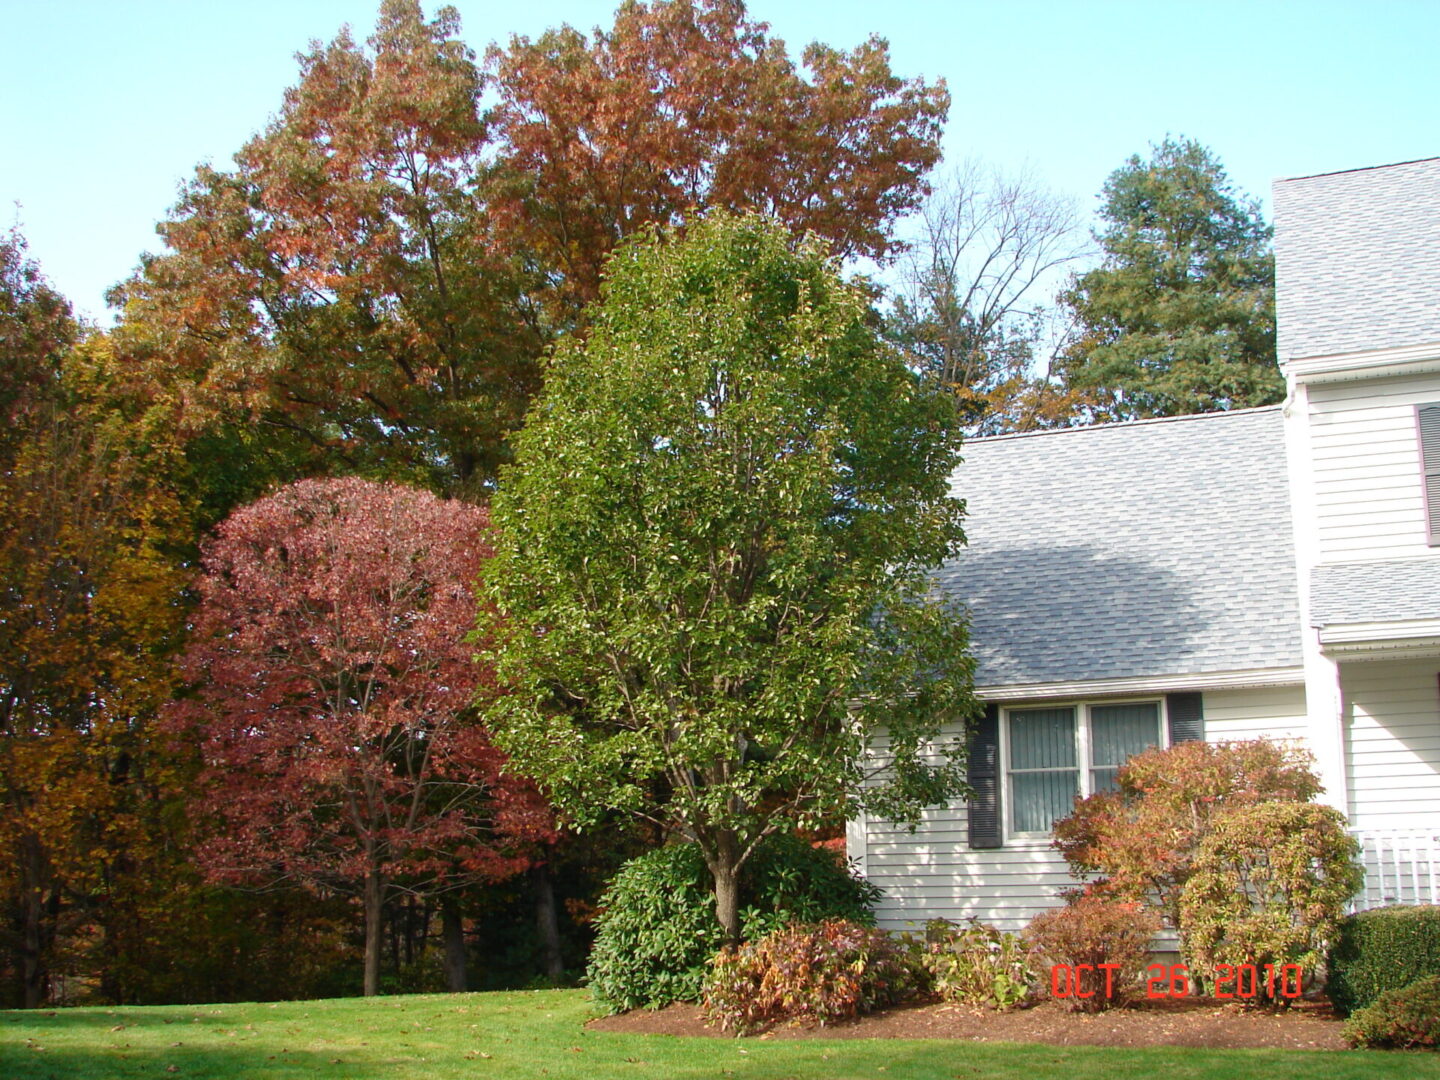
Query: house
[[1271, 571]]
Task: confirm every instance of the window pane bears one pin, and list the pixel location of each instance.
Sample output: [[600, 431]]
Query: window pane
[[1040, 798], [1117, 731], [1103, 780], [1042, 739]]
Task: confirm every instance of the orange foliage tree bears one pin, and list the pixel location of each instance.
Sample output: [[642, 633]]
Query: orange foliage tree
[[90, 608], [372, 286], [335, 289], [687, 105]]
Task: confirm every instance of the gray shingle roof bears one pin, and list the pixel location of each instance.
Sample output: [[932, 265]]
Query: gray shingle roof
[[1372, 592], [1154, 548], [1357, 255]]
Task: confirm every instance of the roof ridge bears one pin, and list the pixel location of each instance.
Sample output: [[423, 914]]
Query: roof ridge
[[1358, 168], [1187, 417]]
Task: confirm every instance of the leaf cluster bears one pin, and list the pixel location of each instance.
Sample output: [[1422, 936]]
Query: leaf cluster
[[1269, 885], [1092, 930], [1403, 1019], [977, 964], [815, 974], [91, 609], [687, 106], [373, 286], [335, 703], [1381, 949]]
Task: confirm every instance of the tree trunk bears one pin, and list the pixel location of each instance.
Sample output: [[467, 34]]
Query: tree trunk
[[374, 920], [725, 869], [547, 923], [33, 974], [453, 931]]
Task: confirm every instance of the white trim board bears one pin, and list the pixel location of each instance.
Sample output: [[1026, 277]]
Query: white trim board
[[1145, 684], [1366, 364]]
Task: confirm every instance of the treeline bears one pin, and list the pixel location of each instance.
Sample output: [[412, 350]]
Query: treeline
[[372, 293]]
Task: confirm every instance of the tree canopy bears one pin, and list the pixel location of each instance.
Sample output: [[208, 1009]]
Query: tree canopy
[[336, 702], [687, 105], [90, 609], [336, 289], [374, 283], [1180, 315], [711, 584]]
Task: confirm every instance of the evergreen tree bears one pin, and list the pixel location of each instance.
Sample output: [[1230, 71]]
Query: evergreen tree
[[1180, 316]]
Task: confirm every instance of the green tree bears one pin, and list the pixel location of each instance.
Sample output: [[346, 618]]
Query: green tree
[[1180, 316], [711, 588]]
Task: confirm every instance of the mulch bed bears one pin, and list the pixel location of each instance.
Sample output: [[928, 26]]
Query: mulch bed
[[1184, 1022]]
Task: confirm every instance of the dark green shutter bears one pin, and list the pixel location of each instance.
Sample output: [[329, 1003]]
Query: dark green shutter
[[983, 762], [1428, 418], [1187, 717]]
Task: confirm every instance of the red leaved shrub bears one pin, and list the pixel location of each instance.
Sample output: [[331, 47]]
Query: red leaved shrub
[[835, 970], [1086, 937]]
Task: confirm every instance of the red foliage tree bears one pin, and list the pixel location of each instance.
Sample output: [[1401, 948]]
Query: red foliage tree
[[336, 695]]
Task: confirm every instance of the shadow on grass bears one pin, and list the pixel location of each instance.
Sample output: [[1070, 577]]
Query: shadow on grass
[[23, 1062]]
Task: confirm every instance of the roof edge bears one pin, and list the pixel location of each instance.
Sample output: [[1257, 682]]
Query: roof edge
[[1359, 168], [1126, 424]]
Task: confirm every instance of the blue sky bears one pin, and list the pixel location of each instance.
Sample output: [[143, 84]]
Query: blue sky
[[110, 104]]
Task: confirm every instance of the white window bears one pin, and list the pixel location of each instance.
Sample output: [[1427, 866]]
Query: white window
[[1056, 754]]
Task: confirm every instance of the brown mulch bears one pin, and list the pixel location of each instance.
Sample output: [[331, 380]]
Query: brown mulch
[[1183, 1022]]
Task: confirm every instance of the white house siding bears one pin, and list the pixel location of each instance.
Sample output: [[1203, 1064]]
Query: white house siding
[[1393, 756], [1273, 712], [1369, 502], [932, 874]]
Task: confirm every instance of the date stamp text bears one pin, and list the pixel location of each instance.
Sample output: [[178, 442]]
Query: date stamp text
[[1229, 982]]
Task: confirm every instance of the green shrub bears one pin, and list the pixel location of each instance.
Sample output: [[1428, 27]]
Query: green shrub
[[1269, 886], [977, 964], [1404, 1019], [658, 932], [1382, 949], [836, 970], [1093, 931]]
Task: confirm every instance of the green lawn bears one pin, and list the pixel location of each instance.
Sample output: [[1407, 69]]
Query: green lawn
[[526, 1036]]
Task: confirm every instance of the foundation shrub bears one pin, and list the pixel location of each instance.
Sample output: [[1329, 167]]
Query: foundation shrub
[[1382, 949], [1404, 1019], [1269, 886], [1142, 838], [658, 932], [1093, 931], [835, 970], [976, 964]]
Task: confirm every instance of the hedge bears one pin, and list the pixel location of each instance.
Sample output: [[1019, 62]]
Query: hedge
[[1382, 949]]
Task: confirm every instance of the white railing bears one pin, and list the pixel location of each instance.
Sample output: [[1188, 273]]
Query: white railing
[[1402, 866]]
